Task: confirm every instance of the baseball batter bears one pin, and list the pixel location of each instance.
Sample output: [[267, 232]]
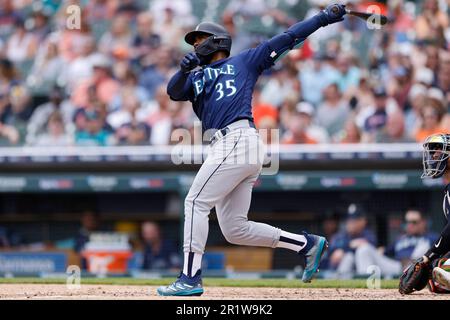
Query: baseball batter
[[220, 89]]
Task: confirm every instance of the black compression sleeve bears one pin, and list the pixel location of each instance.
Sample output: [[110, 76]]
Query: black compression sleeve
[[442, 245]]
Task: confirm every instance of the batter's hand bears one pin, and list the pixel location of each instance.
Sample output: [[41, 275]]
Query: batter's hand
[[334, 13], [189, 62]]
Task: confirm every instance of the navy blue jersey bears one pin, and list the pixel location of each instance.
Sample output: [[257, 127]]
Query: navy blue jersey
[[221, 92], [342, 240], [403, 248]]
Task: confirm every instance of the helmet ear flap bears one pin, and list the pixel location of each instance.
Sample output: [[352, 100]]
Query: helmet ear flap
[[212, 45]]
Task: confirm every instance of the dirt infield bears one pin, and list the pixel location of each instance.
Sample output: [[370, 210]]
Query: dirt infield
[[106, 292]]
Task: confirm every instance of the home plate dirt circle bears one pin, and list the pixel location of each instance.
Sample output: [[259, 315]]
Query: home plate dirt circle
[[142, 292]]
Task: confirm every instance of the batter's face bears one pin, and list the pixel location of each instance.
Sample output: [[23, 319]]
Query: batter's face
[[200, 39]]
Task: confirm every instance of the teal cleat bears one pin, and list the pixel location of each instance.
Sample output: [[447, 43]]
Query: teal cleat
[[313, 256], [184, 286]]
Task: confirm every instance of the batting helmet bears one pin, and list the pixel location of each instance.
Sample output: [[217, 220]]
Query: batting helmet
[[218, 40]]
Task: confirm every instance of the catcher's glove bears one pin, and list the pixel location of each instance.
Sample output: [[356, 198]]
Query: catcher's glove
[[415, 277]]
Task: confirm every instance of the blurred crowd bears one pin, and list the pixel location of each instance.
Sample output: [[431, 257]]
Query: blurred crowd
[[103, 82]]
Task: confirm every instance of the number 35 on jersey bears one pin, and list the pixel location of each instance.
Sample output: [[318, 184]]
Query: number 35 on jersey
[[225, 88]]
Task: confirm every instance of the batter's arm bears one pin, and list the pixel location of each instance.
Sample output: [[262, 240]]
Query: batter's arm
[[297, 33], [179, 87], [267, 53]]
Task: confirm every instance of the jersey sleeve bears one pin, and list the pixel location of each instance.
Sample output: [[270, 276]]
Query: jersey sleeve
[[267, 53], [180, 87], [259, 58]]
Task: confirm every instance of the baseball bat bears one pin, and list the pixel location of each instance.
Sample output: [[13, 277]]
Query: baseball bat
[[377, 18]]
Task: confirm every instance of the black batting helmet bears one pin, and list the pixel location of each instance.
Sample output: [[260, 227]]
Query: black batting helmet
[[218, 40]]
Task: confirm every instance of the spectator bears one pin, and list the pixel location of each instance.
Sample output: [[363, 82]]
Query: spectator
[[350, 133], [159, 253], [8, 18], [146, 40], [394, 131], [100, 10], [400, 85], [56, 134], [40, 116], [46, 71], [155, 69], [431, 23], [160, 119], [261, 109], [182, 10], [432, 60], [345, 246], [129, 122], [417, 97], [90, 223], [8, 76], [40, 24], [330, 227], [241, 39], [348, 74], [128, 8], [129, 86], [443, 76], [301, 128], [94, 133], [287, 110], [69, 40], [281, 84], [360, 96], [17, 113], [333, 112], [269, 131], [133, 133], [414, 242], [101, 84], [169, 27], [431, 115], [378, 115], [81, 68], [22, 45], [118, 38], [402, 20], [314, 76]]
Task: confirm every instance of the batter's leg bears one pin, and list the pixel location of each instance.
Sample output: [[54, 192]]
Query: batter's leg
[[232, 213], [216, 178]]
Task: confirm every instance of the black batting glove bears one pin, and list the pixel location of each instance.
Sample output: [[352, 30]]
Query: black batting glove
[[332, 14], [189, 62]]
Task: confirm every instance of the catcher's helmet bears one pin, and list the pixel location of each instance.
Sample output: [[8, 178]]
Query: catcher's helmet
[[218, 40], [435, 155]]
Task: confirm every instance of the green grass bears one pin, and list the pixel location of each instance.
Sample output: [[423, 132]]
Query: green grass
[[213, 282]]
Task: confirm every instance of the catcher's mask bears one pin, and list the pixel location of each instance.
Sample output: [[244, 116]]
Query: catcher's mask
[[218, 40], [435, 155]]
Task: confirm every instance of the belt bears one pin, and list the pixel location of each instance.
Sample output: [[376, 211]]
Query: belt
[[240, 124]]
